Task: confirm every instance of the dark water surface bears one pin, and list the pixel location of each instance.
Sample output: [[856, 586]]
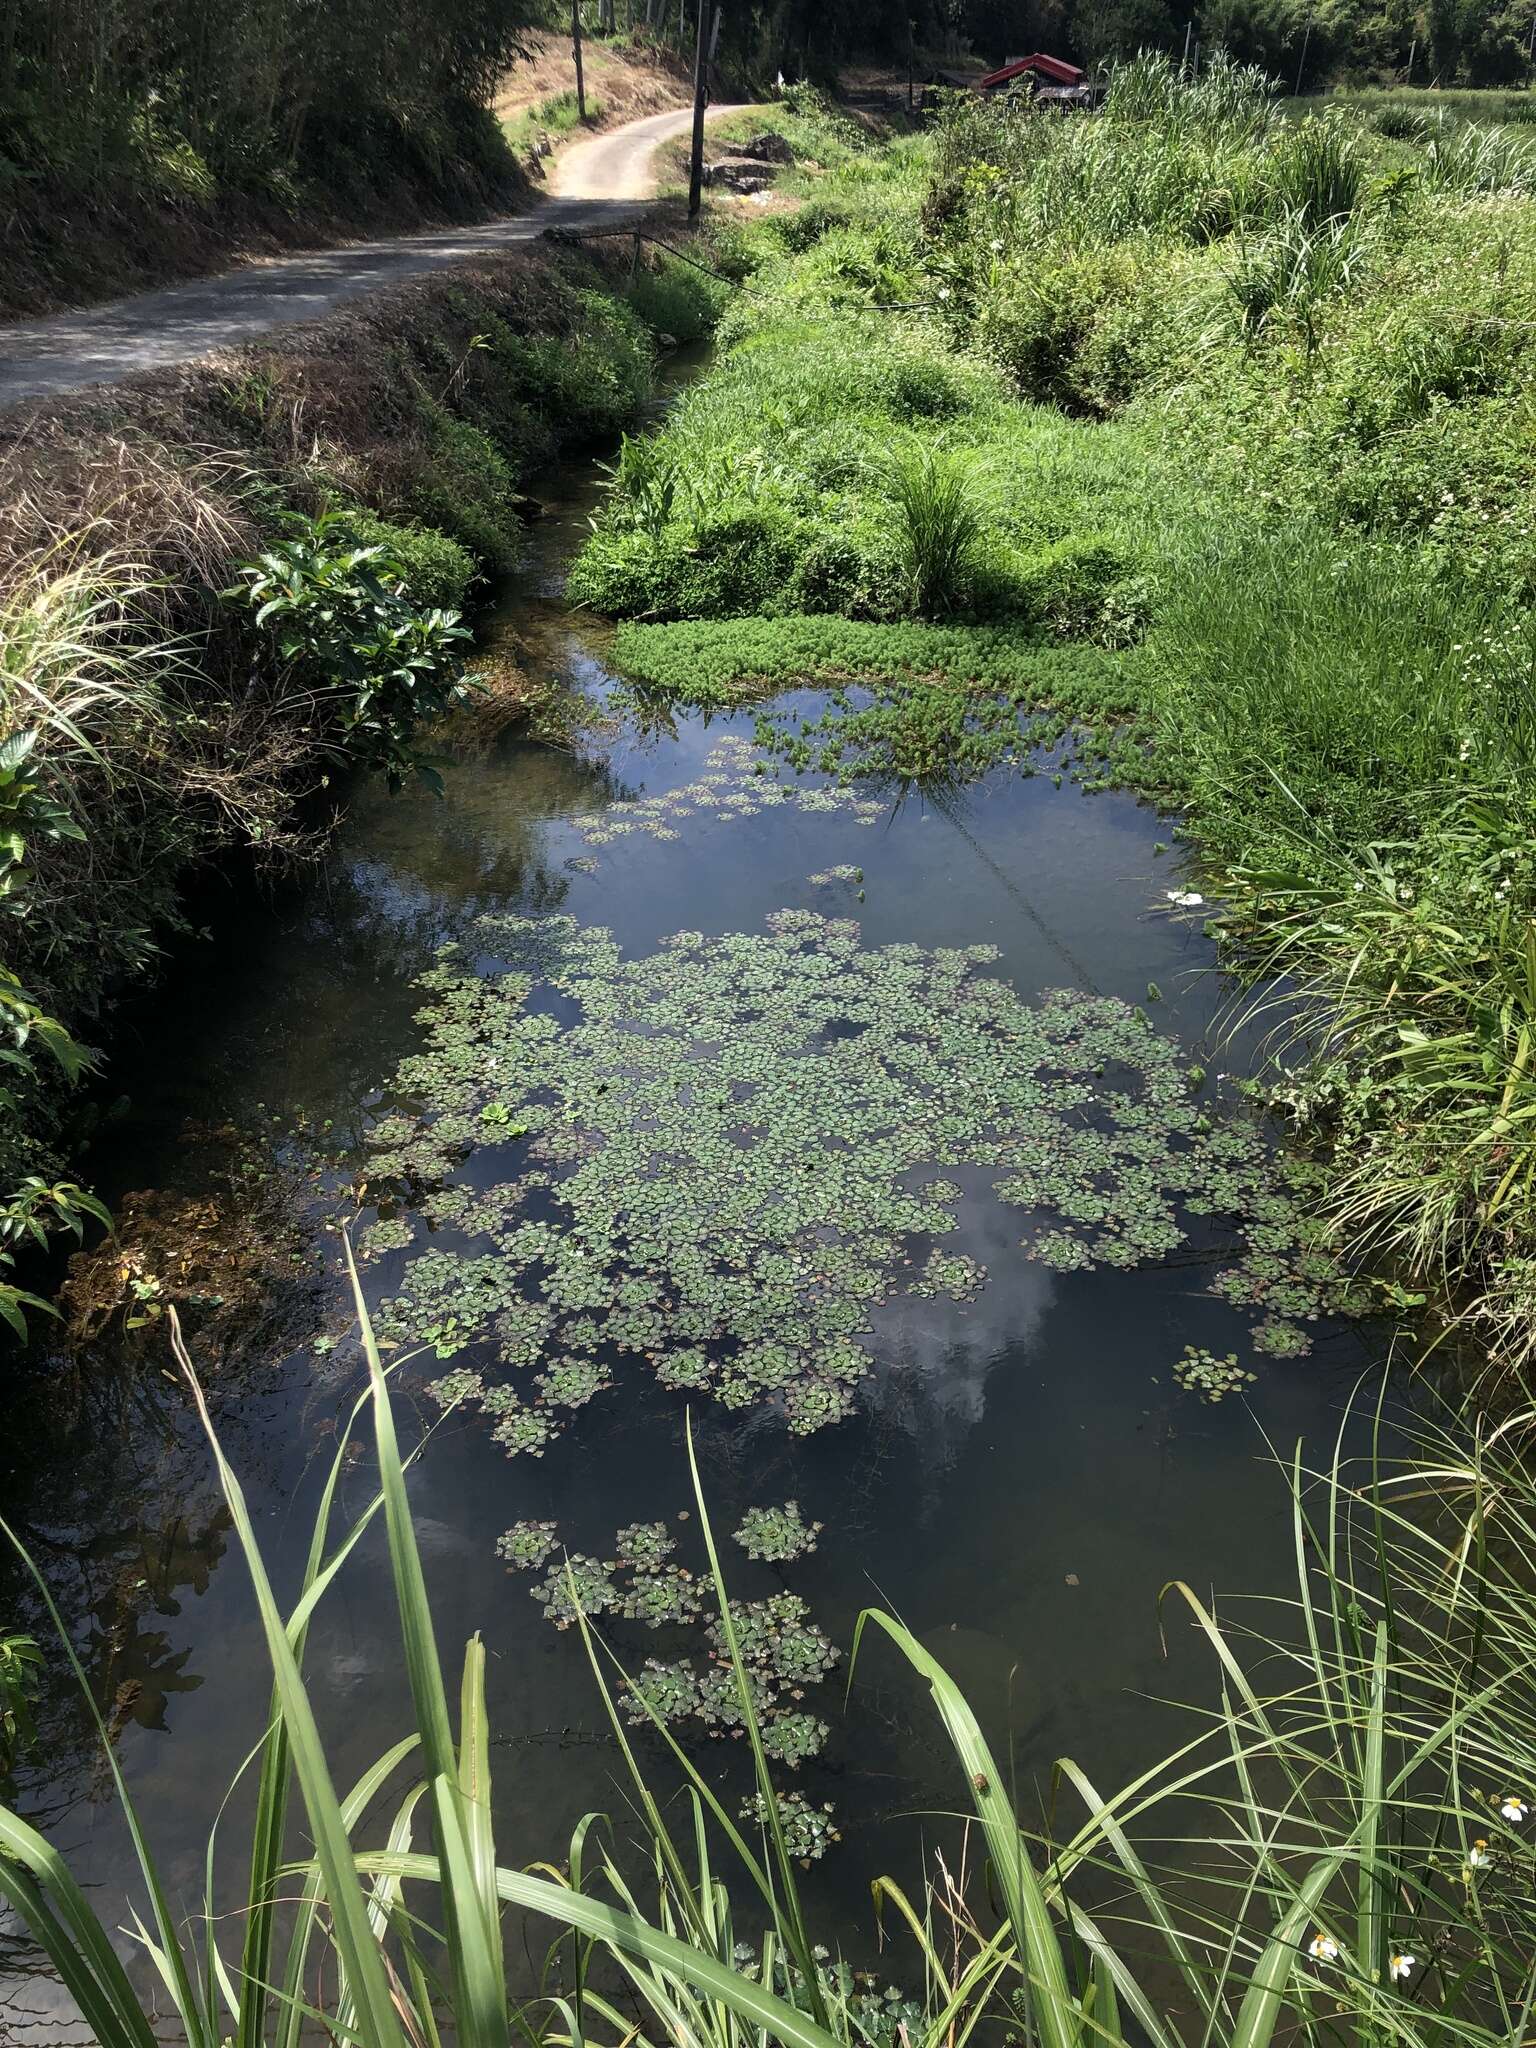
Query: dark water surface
[[1021, 1475]]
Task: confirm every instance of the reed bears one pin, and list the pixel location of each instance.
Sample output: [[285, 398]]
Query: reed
[[1358, 1865]]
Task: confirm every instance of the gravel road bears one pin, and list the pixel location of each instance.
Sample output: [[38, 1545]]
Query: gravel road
[[596, 181]]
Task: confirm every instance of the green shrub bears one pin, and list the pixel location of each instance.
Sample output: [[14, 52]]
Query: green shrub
[[463, 485], [802, 229], [677, 300], [1067, 588], [1042, 323], [379, 664], [438, 572], [1316, 173]]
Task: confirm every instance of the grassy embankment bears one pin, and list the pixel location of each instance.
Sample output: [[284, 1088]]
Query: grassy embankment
[[223, 585], [1208, 429]]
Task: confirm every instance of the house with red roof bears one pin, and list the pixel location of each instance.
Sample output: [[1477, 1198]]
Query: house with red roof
[[1048, 78]]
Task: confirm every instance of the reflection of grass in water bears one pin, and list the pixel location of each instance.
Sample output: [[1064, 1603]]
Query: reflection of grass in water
[[728, 1160]]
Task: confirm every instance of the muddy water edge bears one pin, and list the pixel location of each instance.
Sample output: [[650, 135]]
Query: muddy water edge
[[1019, 1474]]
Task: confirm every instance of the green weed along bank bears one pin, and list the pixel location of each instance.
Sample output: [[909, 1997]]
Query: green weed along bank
[[151, 721], [1255, 390]]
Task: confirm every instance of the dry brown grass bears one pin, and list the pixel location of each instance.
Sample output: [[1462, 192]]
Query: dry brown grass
[[629, 82], [167, 467]]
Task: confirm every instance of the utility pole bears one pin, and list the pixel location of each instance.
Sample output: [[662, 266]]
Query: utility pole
[[700, 98], [1189, 29], [1301, 67], [1413, 51], [581, 90]]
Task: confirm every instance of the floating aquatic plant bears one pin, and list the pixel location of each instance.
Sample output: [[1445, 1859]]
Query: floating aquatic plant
[[644, 1545], [1201, 1372], [783, 1651], [577, 1581], [730, 787], [809, 1831], [791, 1738], [718, 1160], [875, 2016], [526, 1545], [389, 1234], [777, 1534]]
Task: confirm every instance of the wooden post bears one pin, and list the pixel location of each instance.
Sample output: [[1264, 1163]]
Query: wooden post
[[1413, 51], [700, 99], [1189, 29], [911, 60], [581, 90]]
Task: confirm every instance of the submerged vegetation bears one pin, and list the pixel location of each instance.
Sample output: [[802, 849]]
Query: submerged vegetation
[[1196, 430]]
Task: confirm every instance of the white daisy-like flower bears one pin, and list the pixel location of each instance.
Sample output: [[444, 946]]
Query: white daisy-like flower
[[1403, 1967], [943, 291], [1324, 1948], [1477, 1855], [997, 248], [1513, 1807], [1186, 899]]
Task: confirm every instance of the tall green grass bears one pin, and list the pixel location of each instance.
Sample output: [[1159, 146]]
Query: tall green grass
[[1265, 380], [1359, 1797], [940, 527]]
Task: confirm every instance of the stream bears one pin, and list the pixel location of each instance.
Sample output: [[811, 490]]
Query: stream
[[1019, 1475]]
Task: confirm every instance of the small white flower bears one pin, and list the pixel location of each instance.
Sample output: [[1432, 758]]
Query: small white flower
[[943, 291], [1402, 1967], [1513, 1807], [997, 248], [1186, 899], [1324, 1948], [1477, 1855]]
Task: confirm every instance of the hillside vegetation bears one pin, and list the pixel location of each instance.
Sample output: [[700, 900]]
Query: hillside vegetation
[[140, 139], [1211, 428], [1308, 44]]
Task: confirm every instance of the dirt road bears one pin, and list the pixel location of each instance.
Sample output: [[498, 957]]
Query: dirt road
[[594, 182]]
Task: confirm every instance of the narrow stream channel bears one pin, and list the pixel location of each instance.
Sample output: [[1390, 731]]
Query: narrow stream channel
[[1020, 1474]]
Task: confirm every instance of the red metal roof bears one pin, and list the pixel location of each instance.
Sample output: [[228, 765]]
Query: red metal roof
[[1053, 68]]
